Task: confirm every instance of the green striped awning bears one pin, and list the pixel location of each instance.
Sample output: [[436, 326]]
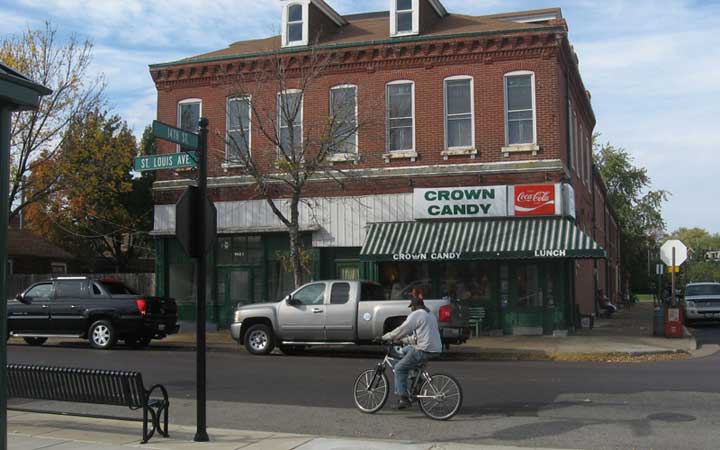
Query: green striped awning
[[551, 237]]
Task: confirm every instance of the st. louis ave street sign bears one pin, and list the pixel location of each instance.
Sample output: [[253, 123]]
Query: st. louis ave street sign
[[166, 161]]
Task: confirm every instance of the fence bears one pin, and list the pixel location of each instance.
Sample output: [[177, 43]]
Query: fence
[[143, 283]]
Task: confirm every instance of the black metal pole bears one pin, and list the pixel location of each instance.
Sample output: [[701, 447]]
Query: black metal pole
[[201, 433], [5, 117]]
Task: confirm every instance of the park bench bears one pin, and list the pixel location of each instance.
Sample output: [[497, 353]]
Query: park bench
[[106, 387]]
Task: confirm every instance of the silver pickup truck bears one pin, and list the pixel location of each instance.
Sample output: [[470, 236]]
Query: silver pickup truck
[[334, 312]]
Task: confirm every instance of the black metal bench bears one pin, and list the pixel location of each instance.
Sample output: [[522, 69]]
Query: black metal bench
[[106, 387]]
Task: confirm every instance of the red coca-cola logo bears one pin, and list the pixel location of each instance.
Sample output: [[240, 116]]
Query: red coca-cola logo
[[535, 200]]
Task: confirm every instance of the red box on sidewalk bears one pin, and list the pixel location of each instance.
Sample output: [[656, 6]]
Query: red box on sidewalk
[[673, 322]]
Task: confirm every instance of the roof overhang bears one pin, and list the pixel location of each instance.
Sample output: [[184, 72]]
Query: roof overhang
[[19, 91], [331, 13], [438, 7]]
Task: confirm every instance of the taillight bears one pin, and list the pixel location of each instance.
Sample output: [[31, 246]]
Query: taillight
[[445, 313], [141, 306]]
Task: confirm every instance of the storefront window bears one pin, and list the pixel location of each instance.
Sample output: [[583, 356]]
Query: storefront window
[[469, 281], [239, 250], [399, 279]]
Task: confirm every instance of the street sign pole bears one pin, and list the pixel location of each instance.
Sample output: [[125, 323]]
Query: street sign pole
[[673, 277], [201, 433]]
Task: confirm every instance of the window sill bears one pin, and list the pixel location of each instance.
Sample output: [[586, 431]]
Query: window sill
[[467, 151], [400, 154], [229, 165], [343, 157], [520, 148]]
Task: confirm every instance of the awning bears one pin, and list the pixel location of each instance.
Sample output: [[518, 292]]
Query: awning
[[550, 237]]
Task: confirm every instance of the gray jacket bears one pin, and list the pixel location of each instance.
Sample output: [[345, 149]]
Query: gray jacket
[[424, 327]]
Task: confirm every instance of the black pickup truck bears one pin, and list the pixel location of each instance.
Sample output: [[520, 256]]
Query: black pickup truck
[[100, 310]]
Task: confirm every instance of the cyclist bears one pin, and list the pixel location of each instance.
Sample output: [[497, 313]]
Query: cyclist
[[422, 331]]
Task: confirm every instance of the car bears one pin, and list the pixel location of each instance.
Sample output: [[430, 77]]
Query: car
[[702, 301], [102, 311]]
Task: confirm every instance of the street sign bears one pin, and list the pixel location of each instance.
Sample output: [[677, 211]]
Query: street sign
[[166, 161], [666, 252], [187, 139], [187, 226], [670, 269]]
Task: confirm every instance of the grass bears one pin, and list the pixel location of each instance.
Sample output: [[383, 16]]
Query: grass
[[645, 297]]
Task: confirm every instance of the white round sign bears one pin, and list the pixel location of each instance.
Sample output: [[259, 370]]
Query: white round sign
[[667, 249]]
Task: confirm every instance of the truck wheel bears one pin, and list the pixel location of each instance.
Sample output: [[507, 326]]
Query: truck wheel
[[138, 342], [259, 339], [35, 341], [102, 335]]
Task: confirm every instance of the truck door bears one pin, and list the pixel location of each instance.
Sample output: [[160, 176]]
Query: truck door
[[66, 310], [304, 318], [340, 313], [33, 314]]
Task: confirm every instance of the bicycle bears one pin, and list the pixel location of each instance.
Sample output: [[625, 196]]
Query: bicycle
[[438, 395]]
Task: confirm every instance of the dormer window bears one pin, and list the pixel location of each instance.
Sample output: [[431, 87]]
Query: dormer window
[[404, 17], [295, 24]]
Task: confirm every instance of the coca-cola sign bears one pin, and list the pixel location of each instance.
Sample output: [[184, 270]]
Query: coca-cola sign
[[535, 200]]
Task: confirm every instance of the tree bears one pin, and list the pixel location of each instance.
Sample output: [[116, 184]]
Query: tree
[[96, 208], [699, 242], [638, 208], [38, 135], [298, 145]]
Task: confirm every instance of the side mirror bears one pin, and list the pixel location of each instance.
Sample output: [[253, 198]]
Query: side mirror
[[289, 300], [22, 298]]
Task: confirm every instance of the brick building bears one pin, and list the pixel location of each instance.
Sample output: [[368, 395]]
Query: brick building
[[472, 178]]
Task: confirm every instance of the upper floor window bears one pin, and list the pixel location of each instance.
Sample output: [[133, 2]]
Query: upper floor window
[[459, 108], [238, 137], [404, 18], [401, 116], [520, 108], [290, 122], [343, 119], [295, 23], [188, 117]]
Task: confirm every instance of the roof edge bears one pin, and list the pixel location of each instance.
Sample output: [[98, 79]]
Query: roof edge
[[330, 12], [395, 40]]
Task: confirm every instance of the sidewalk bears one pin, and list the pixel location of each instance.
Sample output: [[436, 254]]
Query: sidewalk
[[32, 431], [625, 336]]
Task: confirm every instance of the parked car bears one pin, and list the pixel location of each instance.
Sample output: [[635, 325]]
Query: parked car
[[100, 310], [335, 312], [702, 301]]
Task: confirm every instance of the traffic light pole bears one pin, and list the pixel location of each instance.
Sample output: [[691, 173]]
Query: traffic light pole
[[201, 433]]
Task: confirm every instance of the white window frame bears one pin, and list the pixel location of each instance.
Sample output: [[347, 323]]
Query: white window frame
[[394, 19], [472, 111], [387, 116], [227, 123], [534, 106], [302, 112], [286, 24], [184, 102], [357, 132]]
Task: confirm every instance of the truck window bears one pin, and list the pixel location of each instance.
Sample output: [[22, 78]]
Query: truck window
[[116, 288], [313, 294], [40, 291], [340, 293], [71, 288], [371, 292]]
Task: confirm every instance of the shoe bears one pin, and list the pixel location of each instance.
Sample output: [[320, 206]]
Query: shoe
[[403, 403]]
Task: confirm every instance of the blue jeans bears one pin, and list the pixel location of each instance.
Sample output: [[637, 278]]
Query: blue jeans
[[413, 359]]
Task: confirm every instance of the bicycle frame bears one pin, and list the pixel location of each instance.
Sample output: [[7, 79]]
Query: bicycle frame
[[391, 362]]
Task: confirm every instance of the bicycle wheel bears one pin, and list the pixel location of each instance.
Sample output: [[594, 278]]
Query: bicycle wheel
[[441, 397], [370, 399]]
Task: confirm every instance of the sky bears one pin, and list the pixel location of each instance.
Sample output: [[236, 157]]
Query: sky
[[653, 68]]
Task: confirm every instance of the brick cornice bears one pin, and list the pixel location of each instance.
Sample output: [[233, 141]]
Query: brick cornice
[[541, 44]]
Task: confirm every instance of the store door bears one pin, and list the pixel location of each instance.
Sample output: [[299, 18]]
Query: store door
[[526, 300], [553, 316], [235, 286]]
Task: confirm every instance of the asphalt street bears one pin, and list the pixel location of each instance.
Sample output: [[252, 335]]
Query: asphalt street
[[660, 405]]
